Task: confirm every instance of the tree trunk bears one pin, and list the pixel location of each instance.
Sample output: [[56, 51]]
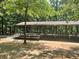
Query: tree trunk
[[25, 33], [26, 18], [2, 26]]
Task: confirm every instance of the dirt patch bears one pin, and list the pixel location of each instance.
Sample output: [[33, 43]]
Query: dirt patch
[[5, 40], [44, 50], [58, 44]]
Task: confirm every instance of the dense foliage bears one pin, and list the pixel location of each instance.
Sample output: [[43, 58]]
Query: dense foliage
[[15, 11]]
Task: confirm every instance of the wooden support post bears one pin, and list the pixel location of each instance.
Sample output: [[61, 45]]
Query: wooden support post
[[59, 32], [69, 35], [10, 30], [66, 30], [52, 30], [56, 29], [71, 30], [37, 29], [76, 30], [14, 29], [30, 28], [40, 29]]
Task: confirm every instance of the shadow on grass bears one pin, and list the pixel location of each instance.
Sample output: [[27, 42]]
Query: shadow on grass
[[16, 50], [35, 51]]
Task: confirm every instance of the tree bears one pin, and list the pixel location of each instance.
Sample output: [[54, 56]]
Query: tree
[[69, 9], [2, 11], [26, 8]]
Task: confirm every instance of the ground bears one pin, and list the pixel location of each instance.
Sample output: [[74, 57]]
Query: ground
[[11, 47], [50, 44]]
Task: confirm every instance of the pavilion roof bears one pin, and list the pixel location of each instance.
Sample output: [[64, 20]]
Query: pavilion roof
[[55, 23]]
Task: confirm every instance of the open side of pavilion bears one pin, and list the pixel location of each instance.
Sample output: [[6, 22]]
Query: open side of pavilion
[[67, 28]]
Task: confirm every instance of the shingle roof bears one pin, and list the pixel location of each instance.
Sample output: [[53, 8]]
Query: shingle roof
[[49, 23]]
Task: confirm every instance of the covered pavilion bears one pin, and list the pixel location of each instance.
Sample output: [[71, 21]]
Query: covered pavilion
[[55, 28]]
